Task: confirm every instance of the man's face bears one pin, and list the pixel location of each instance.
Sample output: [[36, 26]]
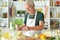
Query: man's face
[[29, 8]]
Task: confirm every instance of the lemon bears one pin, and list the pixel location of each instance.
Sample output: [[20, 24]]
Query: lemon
[[20, 0], [6, 35], [40, 10]]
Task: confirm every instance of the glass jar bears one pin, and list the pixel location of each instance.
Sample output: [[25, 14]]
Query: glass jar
[[4, 15]]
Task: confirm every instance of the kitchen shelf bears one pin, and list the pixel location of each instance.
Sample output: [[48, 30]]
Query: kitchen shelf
[[4, 13], [54, 11], [4, 3], [55, 7], [54, 18], [3, 7], [19, 17], [4, 18]]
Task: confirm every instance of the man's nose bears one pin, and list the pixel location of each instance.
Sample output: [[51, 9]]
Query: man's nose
[[28, 9]]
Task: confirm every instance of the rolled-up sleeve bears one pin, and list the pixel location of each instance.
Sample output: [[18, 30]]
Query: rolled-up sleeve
[[41, 17]]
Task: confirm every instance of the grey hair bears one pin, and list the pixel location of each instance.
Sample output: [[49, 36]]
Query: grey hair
[[30, 2]]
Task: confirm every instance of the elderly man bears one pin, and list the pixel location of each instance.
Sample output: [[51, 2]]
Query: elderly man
[[34, 20]]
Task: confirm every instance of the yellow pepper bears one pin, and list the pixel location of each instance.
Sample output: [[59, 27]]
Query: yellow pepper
[[42, 36]]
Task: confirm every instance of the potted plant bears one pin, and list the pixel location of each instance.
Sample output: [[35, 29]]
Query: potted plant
[[18, 13], [23, 13]]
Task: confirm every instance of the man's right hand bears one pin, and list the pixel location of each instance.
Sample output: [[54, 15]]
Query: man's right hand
[[17, 27], [25, 28]]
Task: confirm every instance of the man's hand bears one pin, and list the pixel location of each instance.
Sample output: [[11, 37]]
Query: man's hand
[[25, 28], [18, 27]]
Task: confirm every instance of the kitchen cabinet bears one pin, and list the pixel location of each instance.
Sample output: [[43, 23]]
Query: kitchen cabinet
[[54, 3], [15, 35], [3, 3], [3, 13], [54, 13]]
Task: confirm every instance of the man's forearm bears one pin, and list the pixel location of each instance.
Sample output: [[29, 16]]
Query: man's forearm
[[37, 28]]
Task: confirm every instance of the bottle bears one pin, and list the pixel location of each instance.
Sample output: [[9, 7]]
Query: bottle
[[5, 15], [13, 10], [53, 3], [14, 0], [11, 28], [1, 3]]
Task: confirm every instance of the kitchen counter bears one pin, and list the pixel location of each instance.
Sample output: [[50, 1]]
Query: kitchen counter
[[6, 33]]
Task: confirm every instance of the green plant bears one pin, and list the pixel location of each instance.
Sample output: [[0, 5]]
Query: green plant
[[23, 12], [18, 12], [19, 21]]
